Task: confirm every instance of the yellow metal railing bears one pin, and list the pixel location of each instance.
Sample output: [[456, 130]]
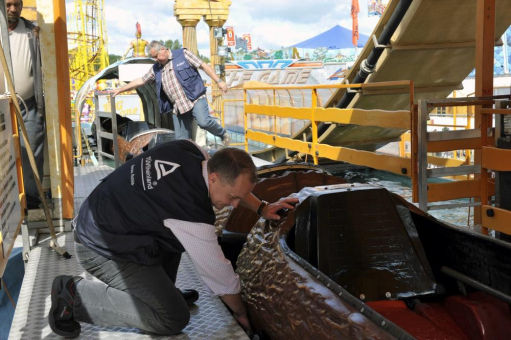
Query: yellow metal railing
[[402, 119], [222, 115]]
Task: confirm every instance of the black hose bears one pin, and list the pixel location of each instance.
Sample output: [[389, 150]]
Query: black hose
[[367, 66]]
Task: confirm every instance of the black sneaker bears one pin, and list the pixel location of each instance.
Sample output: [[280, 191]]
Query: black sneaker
[[60, 317], [190, 296]]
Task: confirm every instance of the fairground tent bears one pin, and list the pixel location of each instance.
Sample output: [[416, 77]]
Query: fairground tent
[[335, 38]]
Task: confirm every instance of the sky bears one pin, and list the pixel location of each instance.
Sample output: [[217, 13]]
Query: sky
[[271, 23]]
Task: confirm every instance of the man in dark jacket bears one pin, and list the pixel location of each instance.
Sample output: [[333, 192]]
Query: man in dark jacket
[[131, 230], [180, 89], [26, 64]]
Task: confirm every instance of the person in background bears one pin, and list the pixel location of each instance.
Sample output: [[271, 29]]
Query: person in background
[[180, 89], [27, 73]]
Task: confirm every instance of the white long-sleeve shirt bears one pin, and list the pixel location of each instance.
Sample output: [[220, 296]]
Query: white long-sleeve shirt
[[201, 244]]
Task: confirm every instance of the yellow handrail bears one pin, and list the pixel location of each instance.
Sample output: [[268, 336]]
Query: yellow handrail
[[399, 119]]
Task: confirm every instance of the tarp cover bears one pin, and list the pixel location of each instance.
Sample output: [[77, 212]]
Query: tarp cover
[[337, 37]]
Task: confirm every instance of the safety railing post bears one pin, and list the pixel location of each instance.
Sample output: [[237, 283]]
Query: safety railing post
[[245, 118], [115, 141], [99, 142], [314, 125], [422, 156]]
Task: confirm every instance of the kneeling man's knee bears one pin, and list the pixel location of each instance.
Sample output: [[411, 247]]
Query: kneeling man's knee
[[177, 323]]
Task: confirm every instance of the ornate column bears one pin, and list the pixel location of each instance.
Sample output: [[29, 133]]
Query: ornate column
[[215, 60], [190, 34]]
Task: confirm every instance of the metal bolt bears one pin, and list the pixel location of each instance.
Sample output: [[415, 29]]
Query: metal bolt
[[318, 276], [490, 212], [404, 171], [383, 323], [328, 285], [317, 153], [362, 310], [362, 297], [340, 293], [274, 138], [388, 295], [309, 145]]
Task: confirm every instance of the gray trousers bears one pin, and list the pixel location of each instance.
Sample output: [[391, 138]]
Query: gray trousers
[[183, 122], [35, 125], [130, 294]]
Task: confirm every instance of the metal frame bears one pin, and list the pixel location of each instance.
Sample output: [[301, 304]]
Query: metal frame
[[106, 135], [481, 188]]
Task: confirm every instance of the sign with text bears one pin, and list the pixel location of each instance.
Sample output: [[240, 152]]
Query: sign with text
[[249, 41], [231, 38], [10, 209]]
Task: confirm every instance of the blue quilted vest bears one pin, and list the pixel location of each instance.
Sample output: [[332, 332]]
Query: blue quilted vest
[[188, 77]]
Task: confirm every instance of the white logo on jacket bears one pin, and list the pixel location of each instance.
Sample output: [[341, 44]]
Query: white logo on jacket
[[163, 168]]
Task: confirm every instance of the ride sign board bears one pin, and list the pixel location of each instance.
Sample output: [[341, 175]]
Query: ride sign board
[[249, 41], [10, 209], [231, 38]]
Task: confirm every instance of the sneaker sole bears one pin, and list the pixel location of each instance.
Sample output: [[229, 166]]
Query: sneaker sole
[[51, 319]]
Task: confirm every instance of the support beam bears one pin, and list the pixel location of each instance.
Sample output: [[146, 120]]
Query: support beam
[[53, 37], [485, 38]]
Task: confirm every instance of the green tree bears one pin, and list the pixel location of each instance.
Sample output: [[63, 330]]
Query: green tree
[[278, 55], [204, 58], [113, 58], [171, 44]]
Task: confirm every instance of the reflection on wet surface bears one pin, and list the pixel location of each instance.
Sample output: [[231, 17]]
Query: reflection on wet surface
[[403, 187]]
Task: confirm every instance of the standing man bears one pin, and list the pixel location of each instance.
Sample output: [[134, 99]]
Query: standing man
[[131, 230], [180, 89], [26, 64]]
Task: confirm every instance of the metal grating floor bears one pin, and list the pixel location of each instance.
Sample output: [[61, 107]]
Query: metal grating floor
[[210, 319]]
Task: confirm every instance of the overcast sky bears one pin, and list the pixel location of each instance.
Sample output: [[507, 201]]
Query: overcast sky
[[271, 23]]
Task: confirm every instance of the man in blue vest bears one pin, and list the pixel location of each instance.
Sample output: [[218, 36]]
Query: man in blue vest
[[180, 89], [131, 230]]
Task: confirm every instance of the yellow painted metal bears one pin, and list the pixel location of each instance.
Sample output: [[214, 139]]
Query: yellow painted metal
[[496, 159], [314, 123], [500, 221], [51, 100], [64, 109], [446, 162], [245, 119], [281, 142], [393, 164], [453, 190], [400, 119], [280, 111], [87, 40], [382, 118], [400, 83]]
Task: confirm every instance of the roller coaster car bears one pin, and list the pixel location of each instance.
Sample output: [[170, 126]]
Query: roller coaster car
[[358, 262]]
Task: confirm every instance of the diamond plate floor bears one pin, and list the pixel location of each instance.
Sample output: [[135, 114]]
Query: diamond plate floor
[[210, 319]]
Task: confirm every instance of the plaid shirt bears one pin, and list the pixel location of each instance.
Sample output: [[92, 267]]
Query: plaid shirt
[[171, 85]]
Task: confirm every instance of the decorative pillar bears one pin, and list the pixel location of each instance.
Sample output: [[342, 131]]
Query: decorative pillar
[[216, 94], [190, 34]]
